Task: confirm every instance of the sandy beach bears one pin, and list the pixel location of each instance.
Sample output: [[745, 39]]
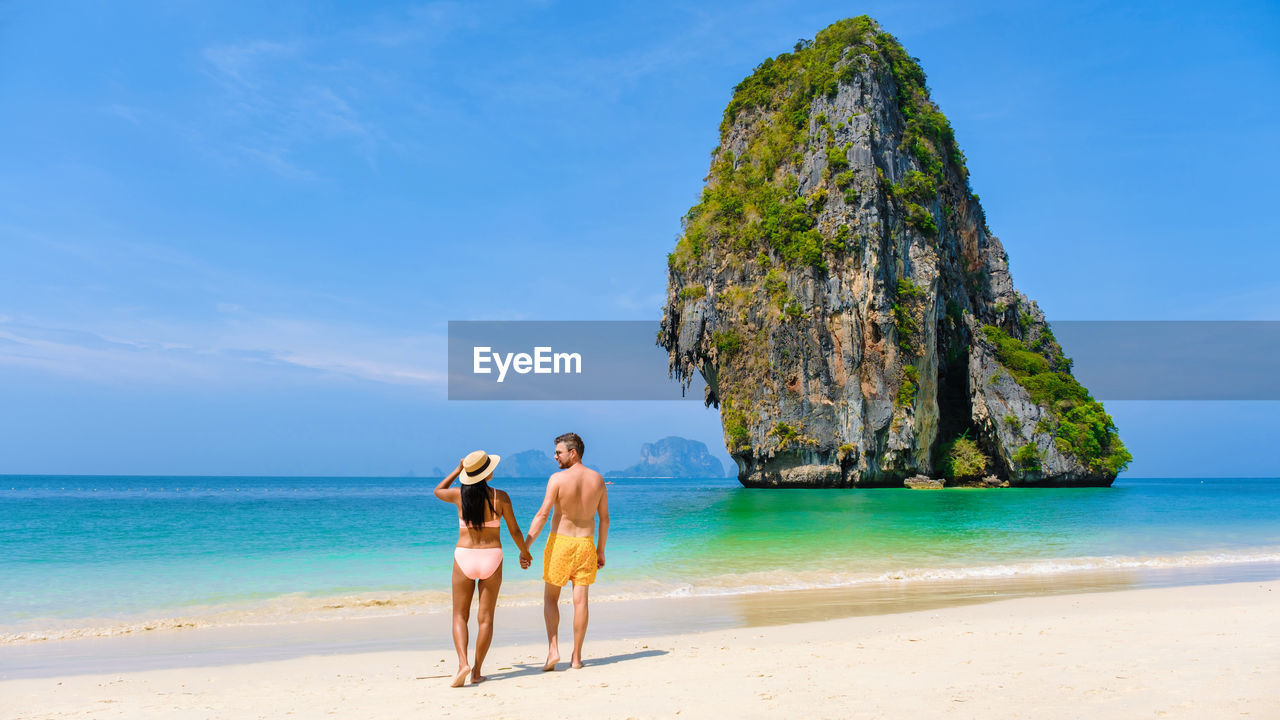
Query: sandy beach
[[1209, 651]]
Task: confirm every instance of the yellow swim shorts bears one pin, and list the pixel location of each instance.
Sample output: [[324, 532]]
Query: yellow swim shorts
[[569, 558]]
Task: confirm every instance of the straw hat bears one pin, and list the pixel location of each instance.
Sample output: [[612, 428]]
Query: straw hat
[[477, 466]]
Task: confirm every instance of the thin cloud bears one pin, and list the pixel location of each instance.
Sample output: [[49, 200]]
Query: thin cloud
[[243, 352], [567, 76], [365, 369], [637, 300], [241, 64], [426, 23], [275, 104], [132, 114], [276, 160], [84, 356]]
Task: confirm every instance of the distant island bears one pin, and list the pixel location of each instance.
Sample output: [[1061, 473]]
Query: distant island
[[673, 457], [530, 463]]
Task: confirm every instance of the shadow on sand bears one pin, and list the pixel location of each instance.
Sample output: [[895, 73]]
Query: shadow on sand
[[522, 670]]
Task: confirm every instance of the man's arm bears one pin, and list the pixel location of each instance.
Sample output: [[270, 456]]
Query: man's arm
[[544, 512], [603, 510]]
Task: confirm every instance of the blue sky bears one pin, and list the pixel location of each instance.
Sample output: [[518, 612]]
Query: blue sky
[[231, 234]]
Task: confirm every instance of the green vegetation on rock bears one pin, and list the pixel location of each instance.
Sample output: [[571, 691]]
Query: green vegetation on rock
[[789, 435], [961, 459], [693, 292], [1080, 425], [908, 290], [1027, 457], [910, 384], [909, 298], [921, 219], [784, 432], [728, 343], [735, 426], [928, 134], [746, 206]]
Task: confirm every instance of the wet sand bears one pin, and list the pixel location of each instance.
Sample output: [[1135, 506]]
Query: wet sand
[[1184, 651], [523, 625]]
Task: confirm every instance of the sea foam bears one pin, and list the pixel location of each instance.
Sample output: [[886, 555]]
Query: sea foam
[[297, 608]]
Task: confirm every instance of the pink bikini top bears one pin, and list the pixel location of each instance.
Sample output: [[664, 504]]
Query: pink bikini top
[[496, 522]]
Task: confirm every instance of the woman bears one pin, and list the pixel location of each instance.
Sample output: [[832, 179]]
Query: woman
[[478, 558]]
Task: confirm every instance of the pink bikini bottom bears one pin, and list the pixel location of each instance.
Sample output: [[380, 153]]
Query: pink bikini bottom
[[478, 563]]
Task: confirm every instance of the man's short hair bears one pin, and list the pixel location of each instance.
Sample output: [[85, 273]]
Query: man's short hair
[[572, 442]]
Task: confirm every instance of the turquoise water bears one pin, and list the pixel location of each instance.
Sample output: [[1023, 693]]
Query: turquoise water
[[99, 552]]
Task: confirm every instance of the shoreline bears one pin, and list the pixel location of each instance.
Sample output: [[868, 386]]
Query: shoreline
[[611, 620], [1187, 651], [525, 590]]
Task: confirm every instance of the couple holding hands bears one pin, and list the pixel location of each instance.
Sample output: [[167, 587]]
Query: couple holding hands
[[575, 496]]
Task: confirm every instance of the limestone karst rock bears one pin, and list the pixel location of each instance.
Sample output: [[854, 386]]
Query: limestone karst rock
[[673, 457], [840, 291], [527, 464]]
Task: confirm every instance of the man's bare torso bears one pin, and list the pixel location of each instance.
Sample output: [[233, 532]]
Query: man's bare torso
[[578, 493]]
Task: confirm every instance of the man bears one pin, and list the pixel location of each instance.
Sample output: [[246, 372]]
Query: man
[[577, 494]]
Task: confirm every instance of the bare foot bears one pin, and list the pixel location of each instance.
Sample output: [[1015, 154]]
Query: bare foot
[[461, 678], [477, 679], [552, 659], [576, 664]]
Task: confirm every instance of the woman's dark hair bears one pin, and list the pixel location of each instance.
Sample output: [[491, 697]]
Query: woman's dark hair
[[474, 499]]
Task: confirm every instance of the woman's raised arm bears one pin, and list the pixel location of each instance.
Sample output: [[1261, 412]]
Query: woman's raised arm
[[446, 493]]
